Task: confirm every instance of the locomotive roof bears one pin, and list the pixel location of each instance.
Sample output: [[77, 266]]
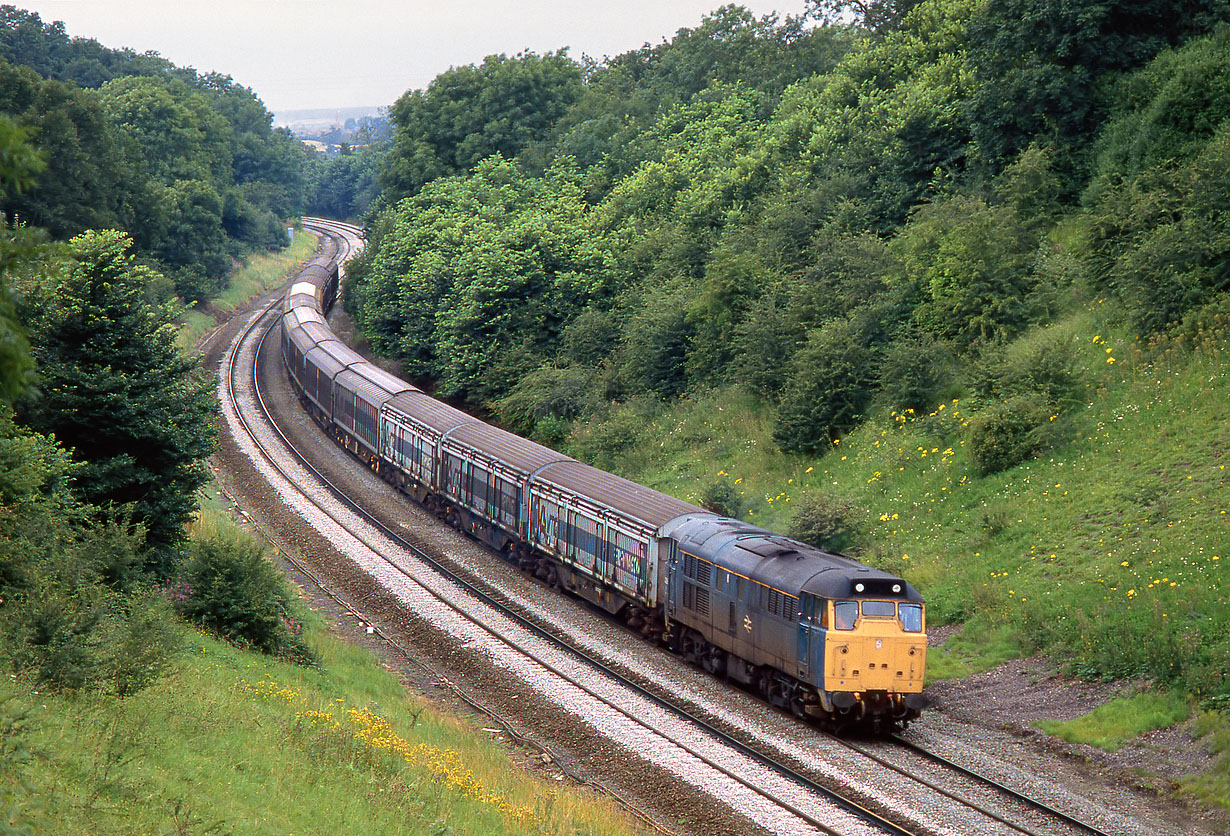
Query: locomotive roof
[[637, 501], [785, 564]]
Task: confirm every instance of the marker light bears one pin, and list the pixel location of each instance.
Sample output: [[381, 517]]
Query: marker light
[[858, 587], [896, 587]]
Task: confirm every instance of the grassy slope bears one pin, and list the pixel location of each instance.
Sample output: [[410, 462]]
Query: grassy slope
[[1109, 550], [233, 742]]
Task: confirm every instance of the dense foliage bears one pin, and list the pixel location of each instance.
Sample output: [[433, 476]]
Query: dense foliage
[[836, 227], [842, 219], [188, 164], [124, 182]]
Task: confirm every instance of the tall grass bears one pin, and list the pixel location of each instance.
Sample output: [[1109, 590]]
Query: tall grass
[[234, 742]]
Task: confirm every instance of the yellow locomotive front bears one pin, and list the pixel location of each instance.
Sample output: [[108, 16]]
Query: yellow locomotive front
[[875, 656]]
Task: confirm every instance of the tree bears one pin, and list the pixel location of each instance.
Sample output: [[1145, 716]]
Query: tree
[[830, 384], [178, 132], [1041, 64], [973, 264], [880, 16], [470, 113], [474, 277], [90, 183], [115, 388], [19, 165]]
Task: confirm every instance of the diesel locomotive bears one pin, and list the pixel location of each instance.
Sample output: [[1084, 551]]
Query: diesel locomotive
[[815, 633]]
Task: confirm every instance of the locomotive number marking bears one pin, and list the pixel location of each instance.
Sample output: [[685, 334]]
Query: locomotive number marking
[[879, 643]]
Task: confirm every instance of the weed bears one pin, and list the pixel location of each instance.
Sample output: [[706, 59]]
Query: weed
[[1111, 725]]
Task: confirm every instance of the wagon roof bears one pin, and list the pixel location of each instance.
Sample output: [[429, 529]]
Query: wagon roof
[[637, 501], [509, 449], [426, 410]]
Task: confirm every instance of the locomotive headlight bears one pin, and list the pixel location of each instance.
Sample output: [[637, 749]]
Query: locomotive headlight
[[896, 587], [858, 587]]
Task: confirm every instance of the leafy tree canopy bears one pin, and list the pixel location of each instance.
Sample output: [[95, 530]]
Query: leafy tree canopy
[[470, 113]]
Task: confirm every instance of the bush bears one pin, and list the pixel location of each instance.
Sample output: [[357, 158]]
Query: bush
[[1043, 365], [916, 373], [230, 588], [721, 497], [1007, 433], [606, 440], [140, 645], [655, 346], [545, 394], [590, 337], [823, 521], [831, 383], [69, 630]]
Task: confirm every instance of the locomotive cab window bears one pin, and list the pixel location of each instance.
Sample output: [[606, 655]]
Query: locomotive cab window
[[911, 617], [879, 609], [845, 613]]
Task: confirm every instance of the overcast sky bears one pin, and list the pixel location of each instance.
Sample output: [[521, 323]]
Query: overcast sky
[[299, 54]]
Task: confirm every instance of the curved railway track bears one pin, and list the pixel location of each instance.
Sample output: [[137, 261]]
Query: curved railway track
[[778, 797], [779, 786]]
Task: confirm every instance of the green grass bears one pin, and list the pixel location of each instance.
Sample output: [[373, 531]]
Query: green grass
[[1112, 724], [261, 273], [1213, 785], [232, 742], [973, 651]]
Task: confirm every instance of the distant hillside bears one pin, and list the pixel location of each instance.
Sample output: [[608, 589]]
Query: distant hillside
[[321, 119]]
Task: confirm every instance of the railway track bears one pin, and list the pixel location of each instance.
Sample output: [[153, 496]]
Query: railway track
[[776, 796]]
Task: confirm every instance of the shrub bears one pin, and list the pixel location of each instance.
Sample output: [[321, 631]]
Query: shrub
[[547, 393], [831, 383], [604, 441], [68, 624], [721, 498], [590, 337], [1007, 433], [655, 345], [141, 644], [823, 521], [1043, 365], [915, 372], [241, 596]]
